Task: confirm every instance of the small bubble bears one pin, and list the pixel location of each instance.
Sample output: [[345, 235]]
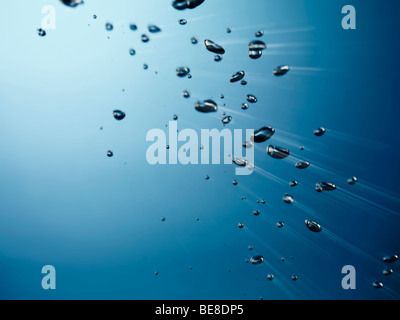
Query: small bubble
[[235, 183], [263, 134], [133, 27], [153, 29], [110, 153], [228, 30], [391, 259], [162, 219], [325, 186], [259, 34], [277, 152], [352, 180], [94, 16], [240, 225], [132, 52], [294, 277], [145, 66], [319, 132], [255, 54], [377, 284], [175, 117], [288, 199], [109, 26], [182, 22], [270, 277], [182, 71], [243, 82], [251, 248], [226, 120], [145, 38], [186, 94], [218, 58], [280, 224], [156, 273], [207, 177], [256, 212], [313, 226], [302, 165], [119, 115], [250, 98], [281, 70], [387, 272], [206, 106], [41, 32], [213, 47], [293, 183], [257, 259], [245, 106], [194, 40], [237, 76]]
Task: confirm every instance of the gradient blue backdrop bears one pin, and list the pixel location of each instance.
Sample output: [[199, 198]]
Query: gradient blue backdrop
[[97, 219]]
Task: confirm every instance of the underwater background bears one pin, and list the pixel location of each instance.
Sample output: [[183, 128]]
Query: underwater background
[[120, 228]]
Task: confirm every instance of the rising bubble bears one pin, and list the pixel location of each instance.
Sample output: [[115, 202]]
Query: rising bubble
[[313, 226], [391, 259], [320, 131], [237, 76], [277, 152], [182, 72], [109, 26], [281, 70], [213, 47], [153, 29], [263, 134], [250, 98], [226, 120], [288, 199], [119, 115], [257, 259], [302, 165], [41, 32], [206, 106]]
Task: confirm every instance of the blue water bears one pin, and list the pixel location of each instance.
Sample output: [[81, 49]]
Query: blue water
[[97, 220]]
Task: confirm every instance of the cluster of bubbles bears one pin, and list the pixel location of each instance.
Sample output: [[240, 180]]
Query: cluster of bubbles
[[255, 51]]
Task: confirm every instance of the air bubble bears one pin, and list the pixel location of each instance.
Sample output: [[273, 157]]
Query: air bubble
[[109, 26], [313, 226], [257, 259], [213, 47], [206, 106], [302, 165], [182, 72], [263, 134], [277, 152], [281, 70], [119, 115], [153, 29], [250, 98]]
